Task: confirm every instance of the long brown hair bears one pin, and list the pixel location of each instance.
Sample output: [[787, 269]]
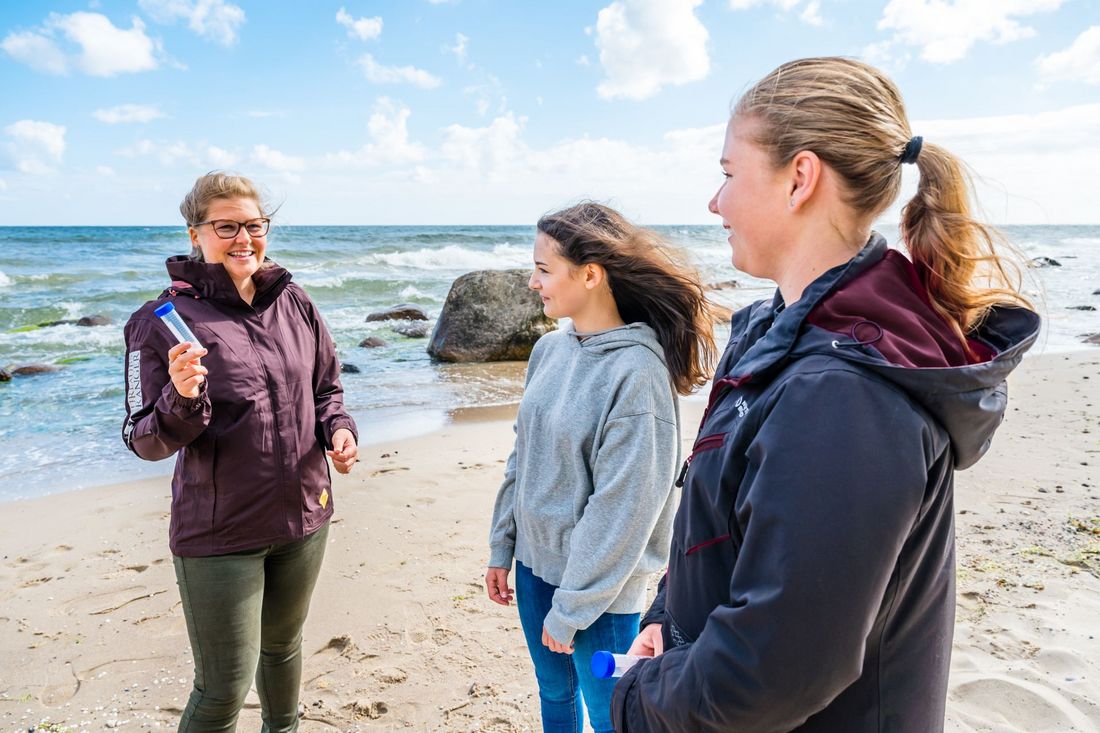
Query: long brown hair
[[649, 282], [852, 116]]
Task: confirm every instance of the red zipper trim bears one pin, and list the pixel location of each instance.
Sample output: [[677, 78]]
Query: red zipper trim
[[709, 442], [708, 543]]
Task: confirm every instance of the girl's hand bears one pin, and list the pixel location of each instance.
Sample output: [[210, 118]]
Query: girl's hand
[[344, 452], [496, 584], [648, 642], [185, 370], [555, 646]]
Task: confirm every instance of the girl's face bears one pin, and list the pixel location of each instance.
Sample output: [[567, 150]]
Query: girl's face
[[558, 281], [753, 202]]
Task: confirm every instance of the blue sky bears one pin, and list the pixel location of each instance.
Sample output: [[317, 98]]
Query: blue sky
[[472, 111]]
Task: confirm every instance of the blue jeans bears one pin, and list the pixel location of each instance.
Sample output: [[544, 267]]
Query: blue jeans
[[564, 678]]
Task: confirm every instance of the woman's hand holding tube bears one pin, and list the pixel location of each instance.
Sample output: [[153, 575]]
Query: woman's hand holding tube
[[184, 369]]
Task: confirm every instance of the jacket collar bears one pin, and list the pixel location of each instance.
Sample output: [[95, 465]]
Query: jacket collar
[[784, 323], [212, 282]]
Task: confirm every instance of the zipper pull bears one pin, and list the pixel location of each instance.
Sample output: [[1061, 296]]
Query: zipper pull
[[683, 473]]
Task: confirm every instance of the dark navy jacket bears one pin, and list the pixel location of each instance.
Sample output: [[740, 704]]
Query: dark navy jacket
[[811, 582]]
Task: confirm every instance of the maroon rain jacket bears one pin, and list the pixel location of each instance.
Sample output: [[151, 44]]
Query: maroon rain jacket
[[251, 467]]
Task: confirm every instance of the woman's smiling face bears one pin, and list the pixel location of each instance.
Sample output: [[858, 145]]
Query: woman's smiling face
[[241, 255]]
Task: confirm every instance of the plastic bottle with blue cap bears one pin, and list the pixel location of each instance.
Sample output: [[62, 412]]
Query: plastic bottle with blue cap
[[176, 325], [606, 665]]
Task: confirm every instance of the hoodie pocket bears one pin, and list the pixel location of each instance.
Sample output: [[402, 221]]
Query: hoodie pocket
[[705, 504]]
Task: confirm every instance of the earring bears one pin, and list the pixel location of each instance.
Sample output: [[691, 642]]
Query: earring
[[792, 203]]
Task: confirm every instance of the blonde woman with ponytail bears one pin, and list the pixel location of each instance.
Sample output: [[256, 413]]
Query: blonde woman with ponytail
[[812, 576]]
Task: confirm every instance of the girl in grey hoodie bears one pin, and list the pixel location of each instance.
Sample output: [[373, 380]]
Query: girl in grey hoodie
[[587, 501]]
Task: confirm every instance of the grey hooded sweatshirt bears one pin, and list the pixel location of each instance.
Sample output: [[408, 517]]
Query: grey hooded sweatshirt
[[587, 499]]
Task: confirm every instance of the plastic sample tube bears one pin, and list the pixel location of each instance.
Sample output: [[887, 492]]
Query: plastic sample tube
[[179, 329], [606, 665]]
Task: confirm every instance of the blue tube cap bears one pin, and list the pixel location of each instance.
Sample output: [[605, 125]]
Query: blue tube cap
[[164, 310], [603, 665]]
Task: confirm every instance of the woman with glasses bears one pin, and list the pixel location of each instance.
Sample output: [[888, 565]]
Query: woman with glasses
[[249, 414]]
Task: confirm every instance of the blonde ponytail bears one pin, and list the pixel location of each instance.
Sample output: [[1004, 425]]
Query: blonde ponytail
[[959, 258]]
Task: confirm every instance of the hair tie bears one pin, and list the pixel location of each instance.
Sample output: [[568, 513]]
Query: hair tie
[[912, 150]]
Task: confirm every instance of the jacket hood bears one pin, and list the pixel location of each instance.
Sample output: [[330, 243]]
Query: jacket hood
[[211, 281], [632, 334], [874, 311]]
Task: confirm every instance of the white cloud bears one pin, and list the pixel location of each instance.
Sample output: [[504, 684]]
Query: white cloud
[[1079, 62], [124, 113], [288, 166], [105, 170], [362, 28], [201, 156], [104, 50], [945, 31], [459, 49], [264, 113], [582, 60], [380, 74], [36, 51], [389, 144], [34, 145], [214, 20], [648, 44], [3, 185], [810, 9]]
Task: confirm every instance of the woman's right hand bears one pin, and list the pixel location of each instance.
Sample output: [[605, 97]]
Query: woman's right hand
[[496, 583], [186, 372], [648, 642]]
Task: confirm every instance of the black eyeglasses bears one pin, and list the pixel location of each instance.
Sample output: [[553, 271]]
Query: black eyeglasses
[[228, 229]]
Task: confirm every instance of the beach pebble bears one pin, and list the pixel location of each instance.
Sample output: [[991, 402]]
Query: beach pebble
[[372, 342], [1044, 262], [350, 369], [412, 330], [724, 285], [401, 312], [29, 369]]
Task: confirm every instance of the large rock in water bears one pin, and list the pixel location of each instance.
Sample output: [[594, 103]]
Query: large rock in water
[[490, 315]]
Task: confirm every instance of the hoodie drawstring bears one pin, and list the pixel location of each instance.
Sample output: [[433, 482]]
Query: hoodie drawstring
[[856, 340]]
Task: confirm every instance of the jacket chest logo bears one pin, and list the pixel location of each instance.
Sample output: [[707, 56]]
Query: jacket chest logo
[[742, 407]]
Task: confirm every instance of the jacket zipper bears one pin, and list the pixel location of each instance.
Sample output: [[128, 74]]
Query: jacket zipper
[[710, 442]]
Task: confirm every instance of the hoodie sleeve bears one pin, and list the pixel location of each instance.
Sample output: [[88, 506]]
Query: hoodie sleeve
[[502, 533], [328, 393], [632, 477], [159, 421], [836, 477]]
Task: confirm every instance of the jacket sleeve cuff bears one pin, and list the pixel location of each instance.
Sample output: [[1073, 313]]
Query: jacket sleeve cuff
[[186, 406], [500, 556], [336, 423], [559, 631]]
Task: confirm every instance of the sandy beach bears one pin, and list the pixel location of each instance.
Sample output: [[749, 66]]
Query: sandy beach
[[402, 637]]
